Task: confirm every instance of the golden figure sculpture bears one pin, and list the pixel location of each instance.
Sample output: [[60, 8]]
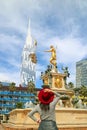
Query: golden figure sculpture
[[46, 81], [53, 55], [58, 82]]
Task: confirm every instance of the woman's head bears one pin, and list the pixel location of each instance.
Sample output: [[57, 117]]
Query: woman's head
[[45, 97]]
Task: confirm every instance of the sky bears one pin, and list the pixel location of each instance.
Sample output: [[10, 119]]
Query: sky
[[61, 23]]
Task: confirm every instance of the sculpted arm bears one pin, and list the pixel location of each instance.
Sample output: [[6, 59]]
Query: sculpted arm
[[48, 51]]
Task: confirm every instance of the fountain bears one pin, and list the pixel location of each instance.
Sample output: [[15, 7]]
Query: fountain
[[57, 80], [68, 117]]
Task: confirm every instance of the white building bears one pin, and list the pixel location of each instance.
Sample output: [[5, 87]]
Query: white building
[[28, 72]]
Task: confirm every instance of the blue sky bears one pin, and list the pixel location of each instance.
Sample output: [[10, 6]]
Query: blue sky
[[62, 23]]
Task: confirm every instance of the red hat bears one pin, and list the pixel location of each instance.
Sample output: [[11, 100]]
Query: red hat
[[45, 97]]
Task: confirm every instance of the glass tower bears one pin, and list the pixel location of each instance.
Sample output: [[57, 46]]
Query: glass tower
[[81, 73], [28, 72]]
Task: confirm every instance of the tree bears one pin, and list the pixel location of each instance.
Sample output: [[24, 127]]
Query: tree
[[1, 85], [75, 100], [19, 105], [70, 85], [83, 91], [12, 87], [31, 87], [76, 89]]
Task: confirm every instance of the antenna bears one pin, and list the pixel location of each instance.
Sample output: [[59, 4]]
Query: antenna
[[29, 30]]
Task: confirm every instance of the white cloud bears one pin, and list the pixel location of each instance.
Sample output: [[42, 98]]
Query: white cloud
[[57, 23], [9, 42], [71, 50], [68, 49], [10, 77]]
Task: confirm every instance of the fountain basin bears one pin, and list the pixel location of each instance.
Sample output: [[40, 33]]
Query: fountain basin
[[66, 118]]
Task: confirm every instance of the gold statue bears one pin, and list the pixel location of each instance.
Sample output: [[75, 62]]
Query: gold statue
[[46, 81], [53, 55], [58, 82]]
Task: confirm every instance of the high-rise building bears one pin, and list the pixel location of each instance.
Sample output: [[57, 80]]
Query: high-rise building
[[81, 73], [28, 72]]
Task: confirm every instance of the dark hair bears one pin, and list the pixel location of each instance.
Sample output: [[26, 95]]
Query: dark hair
[[44, 107]]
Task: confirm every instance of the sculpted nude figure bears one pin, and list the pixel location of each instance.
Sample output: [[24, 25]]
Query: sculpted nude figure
[[53, 55]]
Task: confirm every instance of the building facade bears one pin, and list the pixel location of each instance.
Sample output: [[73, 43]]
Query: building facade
[[28, 72], [9, 98], [81, 73]]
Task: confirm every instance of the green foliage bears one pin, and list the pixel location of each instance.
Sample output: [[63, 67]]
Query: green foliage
[[12, 87], [12, 84], [19, 105], [70, 85], [31, 87], [81, 92], [76, 90], [1, 85], [65, 97], [75, 100]]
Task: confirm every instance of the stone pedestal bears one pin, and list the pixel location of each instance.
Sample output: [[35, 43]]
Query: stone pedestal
[[54, 79], [57, 83]]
